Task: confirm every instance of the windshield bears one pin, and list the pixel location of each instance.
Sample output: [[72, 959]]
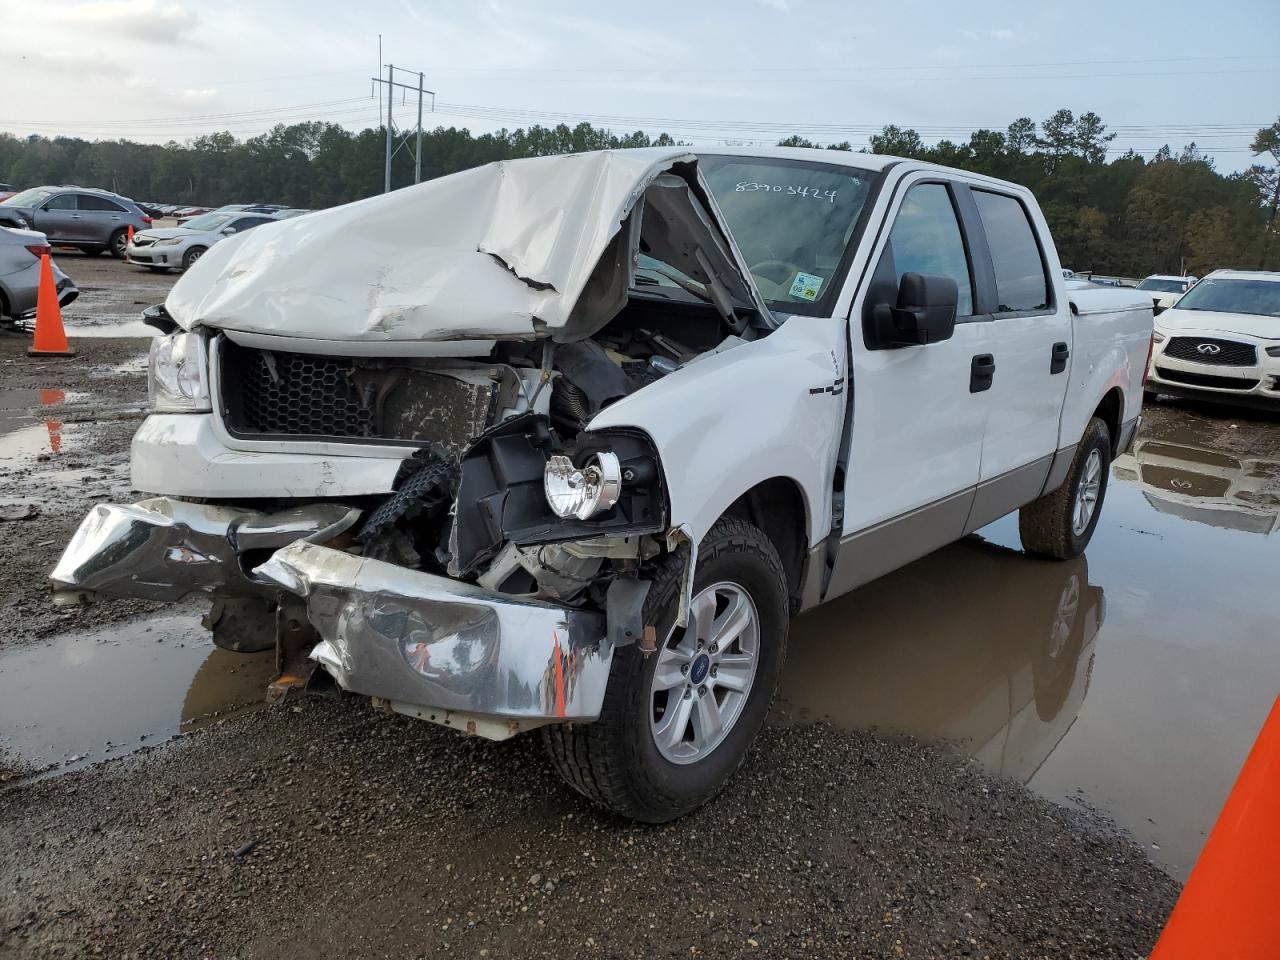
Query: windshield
[[792, 220], [28, 198], [207, 221], [1163, 286], [1258, 297]]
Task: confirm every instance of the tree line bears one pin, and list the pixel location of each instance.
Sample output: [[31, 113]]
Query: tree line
[[1129, 216]]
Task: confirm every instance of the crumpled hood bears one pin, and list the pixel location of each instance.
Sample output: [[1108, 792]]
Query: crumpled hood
[[508, 251], [1210, 321]]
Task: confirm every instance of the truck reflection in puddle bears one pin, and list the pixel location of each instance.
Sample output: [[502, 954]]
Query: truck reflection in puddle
[[1205, 485], [975, 644]]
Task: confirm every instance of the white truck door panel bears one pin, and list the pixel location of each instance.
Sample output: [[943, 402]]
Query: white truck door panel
[[916, 441], [1024, 403]]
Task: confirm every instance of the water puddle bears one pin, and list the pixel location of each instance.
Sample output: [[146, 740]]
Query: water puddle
[[80, 698], [1132, 680], [30, 425]]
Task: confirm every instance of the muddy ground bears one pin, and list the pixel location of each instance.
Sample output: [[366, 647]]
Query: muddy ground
[[321, 828]]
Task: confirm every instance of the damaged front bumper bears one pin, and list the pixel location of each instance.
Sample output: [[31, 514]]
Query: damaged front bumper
[[443, 650], [166, 549]]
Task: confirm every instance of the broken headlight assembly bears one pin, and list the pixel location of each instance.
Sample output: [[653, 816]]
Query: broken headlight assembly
[[520, 484], [582, 492], [178, 374]]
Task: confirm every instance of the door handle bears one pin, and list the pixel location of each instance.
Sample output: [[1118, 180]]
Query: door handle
[[982, 372], [1058, 359]]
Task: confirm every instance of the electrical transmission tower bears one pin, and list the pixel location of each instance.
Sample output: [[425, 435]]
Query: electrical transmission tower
[[396, 142]]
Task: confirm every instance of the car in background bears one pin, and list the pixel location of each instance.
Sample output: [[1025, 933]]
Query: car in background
[[1165, 290], [7, 190], [289, 212], [93, 220], [238, 208], [20, 253], [1221, 340], [167, 247]]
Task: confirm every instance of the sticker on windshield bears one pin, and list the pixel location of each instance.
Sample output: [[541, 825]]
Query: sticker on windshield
[[806, 286]]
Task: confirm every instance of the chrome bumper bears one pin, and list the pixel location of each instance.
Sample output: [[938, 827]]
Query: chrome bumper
[[444, 650], [164, 549]]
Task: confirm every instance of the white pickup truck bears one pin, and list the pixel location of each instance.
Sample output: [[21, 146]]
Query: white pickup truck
[[563, 443]]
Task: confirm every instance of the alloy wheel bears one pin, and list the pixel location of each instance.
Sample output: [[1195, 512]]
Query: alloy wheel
[[704, 673]]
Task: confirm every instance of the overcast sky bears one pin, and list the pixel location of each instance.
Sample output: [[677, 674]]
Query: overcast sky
[[750, 70]]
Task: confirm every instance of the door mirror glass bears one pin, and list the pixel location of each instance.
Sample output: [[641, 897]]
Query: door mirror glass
[[925, 312], [228, 231]]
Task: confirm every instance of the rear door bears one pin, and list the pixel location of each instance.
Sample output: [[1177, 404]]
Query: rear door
[[916, 442], [102, 216], [1030, 336]]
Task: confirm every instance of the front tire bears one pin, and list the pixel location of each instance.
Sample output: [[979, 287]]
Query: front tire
[[191, 256], [1061, 524], [676, 724]]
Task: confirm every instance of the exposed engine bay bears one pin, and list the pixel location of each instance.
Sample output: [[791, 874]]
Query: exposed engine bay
[[506, 487]]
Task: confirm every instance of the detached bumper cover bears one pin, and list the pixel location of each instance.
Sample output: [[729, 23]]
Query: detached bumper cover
[[445, 650], [163, 549]]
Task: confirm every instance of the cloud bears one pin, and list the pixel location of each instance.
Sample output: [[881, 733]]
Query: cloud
[[198, 96], [1004, 34], [145, 20]]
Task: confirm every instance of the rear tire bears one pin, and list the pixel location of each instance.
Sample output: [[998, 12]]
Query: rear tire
[[118, 243], [629, 760], [1060, 524]]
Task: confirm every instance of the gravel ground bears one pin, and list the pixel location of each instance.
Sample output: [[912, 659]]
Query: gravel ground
[[91, 467], [328, 830]]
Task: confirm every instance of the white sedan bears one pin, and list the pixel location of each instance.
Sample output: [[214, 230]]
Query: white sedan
[[1221, 340], [182, 246], [1165, 290]]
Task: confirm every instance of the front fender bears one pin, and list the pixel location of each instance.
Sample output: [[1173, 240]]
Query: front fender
[[726, 422]]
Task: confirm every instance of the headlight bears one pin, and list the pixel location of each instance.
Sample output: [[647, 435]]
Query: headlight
[[1157, 336], [169, 242], [177, 376], [582, 493]]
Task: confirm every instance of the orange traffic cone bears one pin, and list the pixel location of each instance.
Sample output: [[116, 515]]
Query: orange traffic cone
[[128, 242], [1228, 907], [50, 339]]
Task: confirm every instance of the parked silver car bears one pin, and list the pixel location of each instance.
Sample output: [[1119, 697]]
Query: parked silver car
[[20, 252], [93, 220]]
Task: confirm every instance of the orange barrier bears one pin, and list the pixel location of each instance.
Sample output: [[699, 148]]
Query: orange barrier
[[50, 338], [1230, 907]]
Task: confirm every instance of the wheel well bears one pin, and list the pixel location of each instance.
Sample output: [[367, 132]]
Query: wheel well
[[776, 506], [1109, 411], [4, 304]]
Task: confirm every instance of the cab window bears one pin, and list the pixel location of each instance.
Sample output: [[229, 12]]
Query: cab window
[[926, 239], [1015, 254], [64, 201]]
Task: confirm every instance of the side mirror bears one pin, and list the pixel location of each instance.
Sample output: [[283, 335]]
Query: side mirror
[[228, 231], [925, 312]]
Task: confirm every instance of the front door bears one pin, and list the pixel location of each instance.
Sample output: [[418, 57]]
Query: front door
[[916, 441], [59, 218]]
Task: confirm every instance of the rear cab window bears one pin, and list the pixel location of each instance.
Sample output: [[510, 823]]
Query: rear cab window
[[1022, 284]]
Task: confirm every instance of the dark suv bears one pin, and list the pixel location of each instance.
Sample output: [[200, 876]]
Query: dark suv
[[93, 220]]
